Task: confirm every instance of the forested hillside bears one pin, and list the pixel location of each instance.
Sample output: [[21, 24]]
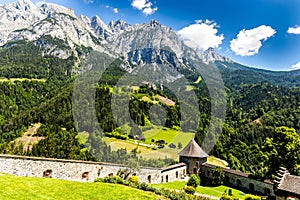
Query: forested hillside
[[261, 130]]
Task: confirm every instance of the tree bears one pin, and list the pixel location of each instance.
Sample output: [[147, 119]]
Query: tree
[[194, 181], [282, 150], [217, 176], [179, 145]]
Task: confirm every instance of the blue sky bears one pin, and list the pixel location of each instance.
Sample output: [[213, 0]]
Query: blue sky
[[258, 33]]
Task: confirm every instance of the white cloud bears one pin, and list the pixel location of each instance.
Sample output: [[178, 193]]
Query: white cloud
[[294, 30], [296, 66], [149, 11], [116, 10], [145, 6], [88, 1], [248, 42], [201, 35], [140, 4]]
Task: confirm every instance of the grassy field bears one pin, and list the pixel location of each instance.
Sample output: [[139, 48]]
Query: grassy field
[[198, 80], [24, 188], [219, 190], [146, 152], [168, 135], [83, 137], [20, 79], [189, 88], [211, 191]]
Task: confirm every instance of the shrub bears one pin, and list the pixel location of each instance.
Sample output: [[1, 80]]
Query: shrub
[[193, 181], [173, 146], [225, 197], [112, 179], [99, 180], [189, 190], [146, 187], [134, 180], [251, 197]]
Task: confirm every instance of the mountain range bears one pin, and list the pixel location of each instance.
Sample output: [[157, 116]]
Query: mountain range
[[137, 44]]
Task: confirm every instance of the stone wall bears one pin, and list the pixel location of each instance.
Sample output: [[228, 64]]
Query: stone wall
[[76, 170], [173, 173], [193, 164], [241, 181], [286, 197]]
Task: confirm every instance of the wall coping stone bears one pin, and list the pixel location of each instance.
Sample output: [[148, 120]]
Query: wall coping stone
[[69, 161]]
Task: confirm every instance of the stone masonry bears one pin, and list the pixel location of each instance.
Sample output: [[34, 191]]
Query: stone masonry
[[82, 170]]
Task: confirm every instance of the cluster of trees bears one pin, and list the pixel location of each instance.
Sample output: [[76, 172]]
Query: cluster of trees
[[259, 117]]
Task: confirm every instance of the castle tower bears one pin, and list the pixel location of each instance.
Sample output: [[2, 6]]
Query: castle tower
[[194, 156]]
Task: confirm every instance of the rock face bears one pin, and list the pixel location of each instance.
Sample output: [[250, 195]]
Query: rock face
[[23, 20], [139, 44], [210, 56], [16, 16]]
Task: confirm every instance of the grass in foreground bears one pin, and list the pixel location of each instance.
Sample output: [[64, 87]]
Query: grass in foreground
[[219, 190], [24, 188], [211, 191]]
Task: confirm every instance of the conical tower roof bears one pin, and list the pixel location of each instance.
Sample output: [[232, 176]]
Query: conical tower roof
[[193, 150]]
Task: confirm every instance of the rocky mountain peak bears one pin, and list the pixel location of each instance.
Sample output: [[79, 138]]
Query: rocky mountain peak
[[154, 23], [97, 20], [210, 55], [100, 27], [117, 26], [25, 5], [50, 8], [85, 19], [151, 35]]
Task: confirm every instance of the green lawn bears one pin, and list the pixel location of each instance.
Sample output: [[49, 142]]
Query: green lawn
[[24, 188], [189, 88], [218, 191], [184, 138], [168, 135], [145, 152], [211, 191]]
